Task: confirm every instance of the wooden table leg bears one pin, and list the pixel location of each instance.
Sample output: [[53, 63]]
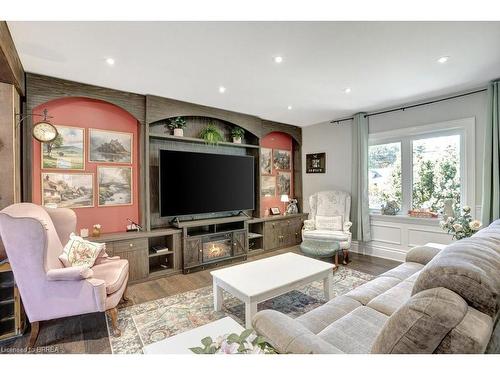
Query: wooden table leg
[[218, 297], [250, 311], [35, 328], [336, 259]]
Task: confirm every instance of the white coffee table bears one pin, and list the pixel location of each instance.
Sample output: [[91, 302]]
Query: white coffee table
[[180, 344], [263, 279]]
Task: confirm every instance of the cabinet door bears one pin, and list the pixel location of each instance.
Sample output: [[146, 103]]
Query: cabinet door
[[296, 231], [138, 263], [240, 242], [272, 232], [192, 252]]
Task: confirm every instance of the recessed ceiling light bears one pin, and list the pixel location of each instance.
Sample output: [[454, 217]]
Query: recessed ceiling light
[[110, 61], [347, 90], [443, 59], [289, 107], [222, 89], [278, 59]]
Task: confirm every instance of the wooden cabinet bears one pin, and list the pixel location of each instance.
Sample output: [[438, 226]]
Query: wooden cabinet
[[138, 264], [12, 319], [283, 232], [240, 240], [192, 252]]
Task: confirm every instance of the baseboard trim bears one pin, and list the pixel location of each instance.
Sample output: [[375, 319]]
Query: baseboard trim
[[378, 251]]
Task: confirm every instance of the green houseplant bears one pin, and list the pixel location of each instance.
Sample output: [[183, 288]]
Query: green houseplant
[[237, 133], [211, 134], [177, 125], [245, 343], [461, 226]]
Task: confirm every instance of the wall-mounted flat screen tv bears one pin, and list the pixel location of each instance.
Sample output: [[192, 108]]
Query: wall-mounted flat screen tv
[[193, 183]]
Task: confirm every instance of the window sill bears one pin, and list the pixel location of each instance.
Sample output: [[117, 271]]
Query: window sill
[[434, 222]]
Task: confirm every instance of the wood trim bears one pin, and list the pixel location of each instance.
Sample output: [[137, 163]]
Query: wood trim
[[11, 69]]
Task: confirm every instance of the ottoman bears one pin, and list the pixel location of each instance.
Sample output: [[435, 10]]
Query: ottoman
[[321, 249]]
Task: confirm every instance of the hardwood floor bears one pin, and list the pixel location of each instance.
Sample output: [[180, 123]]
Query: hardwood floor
[[88, 333]]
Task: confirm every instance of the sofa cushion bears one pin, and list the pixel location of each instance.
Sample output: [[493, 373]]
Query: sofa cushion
[[329, 222], [368, 291], [318, 319], [356, 331], [420, 324], [113, 272], [389, 302], [469, 267], [403, 271], [422, 254], [318, 234], [470, 336]]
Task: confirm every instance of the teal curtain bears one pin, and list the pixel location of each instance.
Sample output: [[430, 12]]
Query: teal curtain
[[491, 159], [360, 215]]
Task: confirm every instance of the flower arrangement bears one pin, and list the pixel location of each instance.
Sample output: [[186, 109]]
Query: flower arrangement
[[96, 230], [462, 226], [245, 343]]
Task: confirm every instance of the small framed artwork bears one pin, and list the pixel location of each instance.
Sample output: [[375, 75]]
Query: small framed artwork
[[275, 211], [107, 146], [282, 159], [66, 151], [114, 185], [316, 163], [266, 156], [283, 182], [268, 186], [68, 190]]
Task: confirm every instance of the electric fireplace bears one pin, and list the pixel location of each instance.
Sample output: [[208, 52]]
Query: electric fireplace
[[217, 247]]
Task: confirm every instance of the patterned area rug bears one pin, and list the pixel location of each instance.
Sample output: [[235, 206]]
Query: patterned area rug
[[153, 321]]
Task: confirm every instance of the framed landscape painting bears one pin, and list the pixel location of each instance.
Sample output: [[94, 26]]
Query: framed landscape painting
[[114, 186], [284, 181], [282, 159], [268, 186], [266, 156], [68, 190], [110, 146], [67, 151]]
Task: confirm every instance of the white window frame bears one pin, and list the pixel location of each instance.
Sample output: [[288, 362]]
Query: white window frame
[[464, 127]]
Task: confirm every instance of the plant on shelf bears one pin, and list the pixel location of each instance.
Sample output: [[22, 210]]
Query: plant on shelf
[[211, 134], [237, 133], [245, 343], [461, 226], [177, 125]]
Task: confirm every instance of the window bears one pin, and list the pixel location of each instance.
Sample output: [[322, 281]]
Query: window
[[421, 167]]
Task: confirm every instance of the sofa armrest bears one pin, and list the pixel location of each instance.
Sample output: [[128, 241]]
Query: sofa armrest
[[70, 274], [309, 225], [347, 226], [289, 336], [422, 254]]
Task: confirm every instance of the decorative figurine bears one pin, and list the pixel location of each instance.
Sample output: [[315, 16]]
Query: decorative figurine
[[292, 207], [389, 208]]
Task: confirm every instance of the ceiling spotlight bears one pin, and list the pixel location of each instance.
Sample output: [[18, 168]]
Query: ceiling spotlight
[[278, 59], [443, 59], [110, 61], [289, 107], [347, 90], [222, 89]]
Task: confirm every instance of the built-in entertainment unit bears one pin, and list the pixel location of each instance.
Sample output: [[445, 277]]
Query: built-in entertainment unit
[[194, 183]]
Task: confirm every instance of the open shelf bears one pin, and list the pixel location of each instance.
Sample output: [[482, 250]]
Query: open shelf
[[251, 235], [199, 140]]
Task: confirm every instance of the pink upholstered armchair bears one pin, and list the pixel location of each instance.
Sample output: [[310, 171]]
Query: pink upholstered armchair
[[34, 238]]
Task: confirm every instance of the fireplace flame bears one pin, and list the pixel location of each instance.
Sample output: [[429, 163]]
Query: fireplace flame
[[215, 251]]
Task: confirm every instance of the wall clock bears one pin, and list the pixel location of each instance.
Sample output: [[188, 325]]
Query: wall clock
[[44, 132]]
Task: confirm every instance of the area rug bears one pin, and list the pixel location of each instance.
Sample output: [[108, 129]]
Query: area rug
[[149, 322]]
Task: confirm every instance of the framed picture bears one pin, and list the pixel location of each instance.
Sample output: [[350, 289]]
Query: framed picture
[[68, 190], [110, 147], [266, 156], [67, 151], [275, 211], [268, 186], [114, 185], [283, 182], [282, 159], [316, 163]]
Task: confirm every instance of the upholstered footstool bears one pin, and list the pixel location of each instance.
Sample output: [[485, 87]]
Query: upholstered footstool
[[321, 249]]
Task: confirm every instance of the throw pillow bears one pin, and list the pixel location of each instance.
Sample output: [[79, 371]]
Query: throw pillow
[[80, 252], [329, 222]]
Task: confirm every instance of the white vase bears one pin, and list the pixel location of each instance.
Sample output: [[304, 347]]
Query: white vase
[[179, 132], [236, 140]]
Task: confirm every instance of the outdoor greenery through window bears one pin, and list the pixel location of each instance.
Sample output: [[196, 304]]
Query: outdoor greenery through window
[[384, 173]]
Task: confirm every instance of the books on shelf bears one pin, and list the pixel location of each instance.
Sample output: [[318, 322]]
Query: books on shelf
[[159, 250]]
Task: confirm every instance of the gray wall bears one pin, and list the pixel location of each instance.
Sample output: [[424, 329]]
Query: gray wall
[[336, 140]]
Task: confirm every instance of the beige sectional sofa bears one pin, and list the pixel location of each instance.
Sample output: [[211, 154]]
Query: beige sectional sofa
[[443, 299]]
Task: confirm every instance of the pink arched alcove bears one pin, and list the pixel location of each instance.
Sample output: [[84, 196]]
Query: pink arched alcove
[[89, 113]]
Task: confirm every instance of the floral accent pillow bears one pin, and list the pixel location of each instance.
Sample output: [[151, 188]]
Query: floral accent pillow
[[329, 222], [80, 252]]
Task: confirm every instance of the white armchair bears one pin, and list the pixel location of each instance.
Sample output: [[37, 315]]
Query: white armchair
[[329, 219]]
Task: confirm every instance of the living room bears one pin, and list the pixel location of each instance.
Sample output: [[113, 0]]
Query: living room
[[249, 187]]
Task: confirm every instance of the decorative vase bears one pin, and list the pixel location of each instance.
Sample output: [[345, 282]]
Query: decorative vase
[[96, 232], [236, 139], [179, 132]]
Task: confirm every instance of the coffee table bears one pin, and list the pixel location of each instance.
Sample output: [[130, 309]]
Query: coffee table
[[263, 279]]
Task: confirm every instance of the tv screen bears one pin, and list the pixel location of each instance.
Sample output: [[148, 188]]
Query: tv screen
[[194, 183]]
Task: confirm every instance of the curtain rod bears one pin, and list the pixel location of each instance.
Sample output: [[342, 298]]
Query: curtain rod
[[408, 106]]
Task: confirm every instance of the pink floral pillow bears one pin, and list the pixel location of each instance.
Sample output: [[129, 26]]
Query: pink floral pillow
[[80, 252]]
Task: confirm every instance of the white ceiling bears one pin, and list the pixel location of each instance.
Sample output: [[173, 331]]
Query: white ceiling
[[384, 63]]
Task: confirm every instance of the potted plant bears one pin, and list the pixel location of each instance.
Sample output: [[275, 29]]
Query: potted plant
[[237, 133], [211, 134], [177, 125], [461, 226]]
